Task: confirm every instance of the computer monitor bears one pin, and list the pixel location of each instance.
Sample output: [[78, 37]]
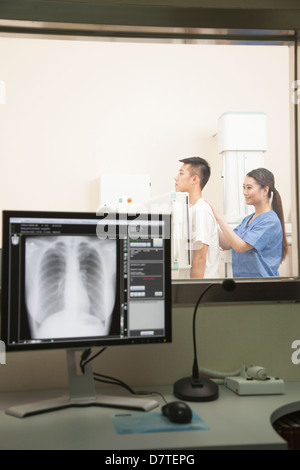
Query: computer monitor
[[80, 280]]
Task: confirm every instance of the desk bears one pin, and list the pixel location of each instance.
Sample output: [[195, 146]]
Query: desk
[[235, 422]]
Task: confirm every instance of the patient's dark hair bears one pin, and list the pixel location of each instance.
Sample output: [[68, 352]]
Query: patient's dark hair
[[200, 167], [265, 178]]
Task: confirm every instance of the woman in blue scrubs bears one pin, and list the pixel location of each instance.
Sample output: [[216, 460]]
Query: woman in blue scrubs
[[259, 243]]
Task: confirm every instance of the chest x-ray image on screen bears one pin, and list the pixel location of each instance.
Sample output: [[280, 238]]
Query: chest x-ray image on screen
[[70, 286]]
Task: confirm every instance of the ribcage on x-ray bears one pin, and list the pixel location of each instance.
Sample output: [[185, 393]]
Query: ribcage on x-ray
[[52, 275], [92, 271]]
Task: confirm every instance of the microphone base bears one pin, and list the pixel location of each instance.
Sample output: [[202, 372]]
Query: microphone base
[[190, 389]]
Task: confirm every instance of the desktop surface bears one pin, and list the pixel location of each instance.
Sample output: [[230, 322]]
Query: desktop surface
[[231, 422]]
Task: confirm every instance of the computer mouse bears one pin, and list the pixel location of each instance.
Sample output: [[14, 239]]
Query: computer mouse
[[177, 412]]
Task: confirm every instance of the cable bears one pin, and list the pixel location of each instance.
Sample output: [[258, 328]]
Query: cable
[[156, 393], [85, 355], [112, 381], [85, 359]]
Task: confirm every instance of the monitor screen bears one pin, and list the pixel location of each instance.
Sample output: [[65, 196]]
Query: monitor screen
[[74, 280]]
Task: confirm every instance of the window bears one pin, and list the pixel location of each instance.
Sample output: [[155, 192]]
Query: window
[[78, 106]]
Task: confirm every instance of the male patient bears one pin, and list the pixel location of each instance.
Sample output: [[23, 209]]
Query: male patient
[[192, 177]]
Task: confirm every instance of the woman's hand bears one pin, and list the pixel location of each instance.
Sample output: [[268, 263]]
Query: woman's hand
[[227, 237], [216, 212]]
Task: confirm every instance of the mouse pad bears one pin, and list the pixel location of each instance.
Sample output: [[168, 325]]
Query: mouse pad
[[147, 422]]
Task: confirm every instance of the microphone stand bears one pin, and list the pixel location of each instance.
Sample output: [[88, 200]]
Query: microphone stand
[[196, 388]]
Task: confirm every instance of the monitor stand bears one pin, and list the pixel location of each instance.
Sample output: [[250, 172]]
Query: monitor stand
[[82, 393]]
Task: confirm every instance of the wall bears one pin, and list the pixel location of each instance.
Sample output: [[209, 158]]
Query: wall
[[76, 109], [228, 336]]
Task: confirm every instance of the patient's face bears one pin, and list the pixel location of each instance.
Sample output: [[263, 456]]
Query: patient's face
[[183, 180]]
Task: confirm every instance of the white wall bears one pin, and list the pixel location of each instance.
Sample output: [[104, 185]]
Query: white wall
[[76, 109]]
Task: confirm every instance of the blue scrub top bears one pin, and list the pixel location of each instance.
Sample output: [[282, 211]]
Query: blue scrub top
[[264, 233]]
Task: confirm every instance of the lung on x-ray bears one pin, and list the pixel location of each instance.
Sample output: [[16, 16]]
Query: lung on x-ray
[[70, 286]]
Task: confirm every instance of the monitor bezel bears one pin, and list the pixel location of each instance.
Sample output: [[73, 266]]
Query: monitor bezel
[[81, 343]]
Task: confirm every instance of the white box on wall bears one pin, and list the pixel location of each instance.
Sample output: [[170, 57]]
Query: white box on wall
[[124, 192], [242, 131]]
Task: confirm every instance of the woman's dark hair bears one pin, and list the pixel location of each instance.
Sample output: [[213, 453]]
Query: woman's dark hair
[[265, 178]]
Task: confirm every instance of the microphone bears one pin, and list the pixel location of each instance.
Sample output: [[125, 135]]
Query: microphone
[[195, 388]]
